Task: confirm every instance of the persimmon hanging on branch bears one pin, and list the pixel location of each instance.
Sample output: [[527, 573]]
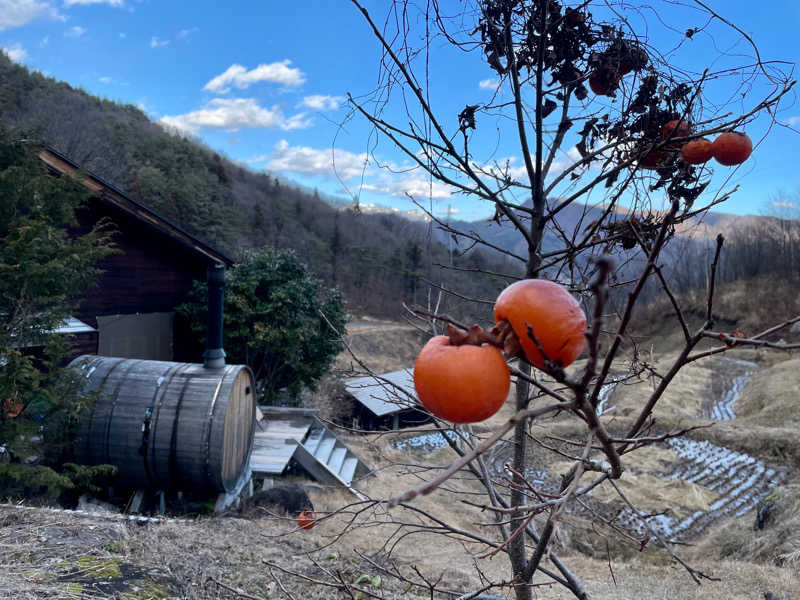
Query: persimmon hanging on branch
[[556, 319], [463, 377]]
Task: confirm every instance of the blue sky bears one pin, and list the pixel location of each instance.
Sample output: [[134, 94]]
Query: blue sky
[[265, 83]]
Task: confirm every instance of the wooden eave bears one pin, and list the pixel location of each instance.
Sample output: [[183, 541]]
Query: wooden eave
[[106, 192]]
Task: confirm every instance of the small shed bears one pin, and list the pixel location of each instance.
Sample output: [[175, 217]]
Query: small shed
[[387, 401]]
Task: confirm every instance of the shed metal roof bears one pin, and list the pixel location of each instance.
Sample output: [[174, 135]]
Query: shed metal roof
[[70, 325], [73, 325], [385, 394]]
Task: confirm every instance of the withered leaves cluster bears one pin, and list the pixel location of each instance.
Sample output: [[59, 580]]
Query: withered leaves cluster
[[573, 49]]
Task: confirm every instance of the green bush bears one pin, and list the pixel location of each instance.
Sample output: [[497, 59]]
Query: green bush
[[277, 320]]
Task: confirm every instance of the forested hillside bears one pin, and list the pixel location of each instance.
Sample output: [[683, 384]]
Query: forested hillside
[[377, 260]]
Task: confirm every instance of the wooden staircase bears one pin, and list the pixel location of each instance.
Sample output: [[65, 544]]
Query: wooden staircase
[[328, 460], [297, 434]]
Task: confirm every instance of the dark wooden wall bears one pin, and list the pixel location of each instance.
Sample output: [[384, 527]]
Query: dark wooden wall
[[82, 343], [151, 273]]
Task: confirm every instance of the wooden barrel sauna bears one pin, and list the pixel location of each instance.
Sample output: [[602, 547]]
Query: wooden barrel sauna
[[167, 425]]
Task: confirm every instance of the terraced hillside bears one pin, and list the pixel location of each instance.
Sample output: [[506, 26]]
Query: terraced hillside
[[684, 485]]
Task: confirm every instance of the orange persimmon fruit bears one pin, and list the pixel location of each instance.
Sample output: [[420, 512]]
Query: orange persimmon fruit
[[732, 148], [696, 152], [462, 384], [653, 160], [603, 83], [676, 129], [556, 318], [306, 519]]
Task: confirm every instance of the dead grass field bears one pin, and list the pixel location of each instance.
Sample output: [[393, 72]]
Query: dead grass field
[[383, 346], [47, 555], [64, 556]]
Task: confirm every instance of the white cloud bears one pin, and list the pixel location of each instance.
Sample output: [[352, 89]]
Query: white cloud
[[239, 77], [450, 211], [516, 170], [401, 183], [75, 32], [783, 204], [326, 163], [793, 121], [421, 187], [15, 52], [45, 41], [105, 80], [234, 114], [345, 165], [320, 102], [489, 84], [185, 33], [109, 2], [122, 36], [157, 43], [15, 13]]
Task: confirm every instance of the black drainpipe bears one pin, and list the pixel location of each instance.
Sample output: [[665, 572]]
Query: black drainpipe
[[214, 356]]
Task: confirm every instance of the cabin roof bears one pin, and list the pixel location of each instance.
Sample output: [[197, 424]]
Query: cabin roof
[[106, 192], [385, 394]]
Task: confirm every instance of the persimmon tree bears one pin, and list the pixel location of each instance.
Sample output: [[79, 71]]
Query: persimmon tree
[[599, 116]]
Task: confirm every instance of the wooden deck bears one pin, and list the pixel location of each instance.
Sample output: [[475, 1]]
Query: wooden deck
[[276, 440]]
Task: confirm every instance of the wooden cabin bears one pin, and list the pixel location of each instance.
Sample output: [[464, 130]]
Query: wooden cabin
[[133, 306]]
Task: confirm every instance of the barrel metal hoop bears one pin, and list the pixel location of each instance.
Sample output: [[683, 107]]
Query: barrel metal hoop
[[114, 399], [150, 421], [209, 418], [173, 440], [180, 367], [89, 438]]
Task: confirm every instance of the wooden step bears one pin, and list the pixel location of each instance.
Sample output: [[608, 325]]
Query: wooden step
[[323, 451], [336, 459], [348, 469], [314, 438]]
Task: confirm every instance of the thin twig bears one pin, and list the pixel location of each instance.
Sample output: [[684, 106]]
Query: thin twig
[[237, 591]]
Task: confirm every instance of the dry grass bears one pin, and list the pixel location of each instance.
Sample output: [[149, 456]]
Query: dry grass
[[63, 556], [767, 416], [384, 346], [771, 397], [49, 555], [653, 494], [778, 542], [681, 403], [752, 305]]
